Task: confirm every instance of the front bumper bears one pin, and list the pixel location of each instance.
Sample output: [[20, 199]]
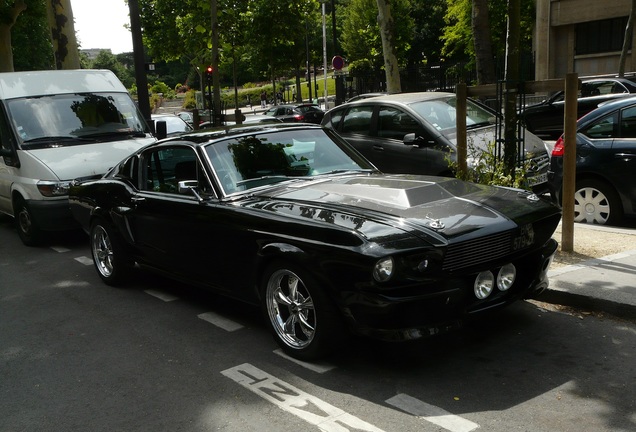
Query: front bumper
[[52, 215], [445, 304]]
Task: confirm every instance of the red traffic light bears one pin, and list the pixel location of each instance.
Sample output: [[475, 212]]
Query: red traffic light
[[209, 69]]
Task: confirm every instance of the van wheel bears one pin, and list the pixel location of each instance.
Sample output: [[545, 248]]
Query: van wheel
[[111, 261], [27, 228]]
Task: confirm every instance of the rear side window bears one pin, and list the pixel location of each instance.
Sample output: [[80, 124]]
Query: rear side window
[[603, 128], [358, 120]]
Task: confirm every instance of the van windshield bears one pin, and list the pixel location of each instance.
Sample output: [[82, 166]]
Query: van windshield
[[69, 119]]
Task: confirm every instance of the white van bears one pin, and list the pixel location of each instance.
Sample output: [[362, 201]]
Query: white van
[[57, 126]]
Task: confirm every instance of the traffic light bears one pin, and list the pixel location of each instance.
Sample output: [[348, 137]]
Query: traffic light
[[208, 75]]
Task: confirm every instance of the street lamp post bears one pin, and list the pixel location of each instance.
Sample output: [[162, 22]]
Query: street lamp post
[[324, 48]]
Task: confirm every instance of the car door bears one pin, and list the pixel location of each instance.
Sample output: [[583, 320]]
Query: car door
[[623, 163], [174, 231]]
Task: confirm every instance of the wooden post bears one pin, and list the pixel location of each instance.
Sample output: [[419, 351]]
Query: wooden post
[[569, 162], [460, 120]]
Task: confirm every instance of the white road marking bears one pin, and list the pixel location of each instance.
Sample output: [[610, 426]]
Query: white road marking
[[432, 413], [220, 321], [84, 260], [162, 295], [318, 367], [60, 249], [295, 401]]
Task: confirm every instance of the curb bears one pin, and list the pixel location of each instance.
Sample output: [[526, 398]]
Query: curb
[[565, 297]]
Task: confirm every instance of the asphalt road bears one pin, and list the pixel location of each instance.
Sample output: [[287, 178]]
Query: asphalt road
[[76, 355]]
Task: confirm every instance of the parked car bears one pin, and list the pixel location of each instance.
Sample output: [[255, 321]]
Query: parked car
[[366, 96], [605, 191], [293, 218], [546, 118], [175, 125], [250, 119], [415, 133], [304, 112]]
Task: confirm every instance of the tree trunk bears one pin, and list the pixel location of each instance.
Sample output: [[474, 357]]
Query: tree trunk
[[6, 51], [512, 86], [627, 41], [65, 48], [480, 23], [392, 71]]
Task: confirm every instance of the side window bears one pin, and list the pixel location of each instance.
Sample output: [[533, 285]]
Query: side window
[[358, 120], [335, 118], [603, 128], [628, 123], [394, 123], [128, 170], [164, 168]]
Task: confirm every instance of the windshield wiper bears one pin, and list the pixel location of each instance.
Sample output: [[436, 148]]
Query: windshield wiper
[[135, 134], [347, 171], [478, 125], [265, 179], [57, 139]]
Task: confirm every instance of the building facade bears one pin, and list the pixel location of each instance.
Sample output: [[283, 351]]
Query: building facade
[[582, 36]]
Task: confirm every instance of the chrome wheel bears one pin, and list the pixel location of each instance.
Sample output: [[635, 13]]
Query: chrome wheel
[[290, 309], [109, 254], [102, 251]]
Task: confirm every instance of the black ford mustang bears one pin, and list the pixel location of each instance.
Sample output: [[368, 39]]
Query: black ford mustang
[[292, 218]]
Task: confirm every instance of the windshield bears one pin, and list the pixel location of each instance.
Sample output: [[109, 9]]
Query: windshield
[[441, 113], [255, 160], [74, 116]]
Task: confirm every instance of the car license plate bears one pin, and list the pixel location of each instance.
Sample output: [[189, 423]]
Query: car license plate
[[541, 178]]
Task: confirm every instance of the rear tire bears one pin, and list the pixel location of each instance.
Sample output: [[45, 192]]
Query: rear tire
[[111, 261], [596, 202]]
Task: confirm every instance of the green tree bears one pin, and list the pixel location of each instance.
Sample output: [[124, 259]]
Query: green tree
[[106, 60], [31, 40], [361, 36], [9, 12]]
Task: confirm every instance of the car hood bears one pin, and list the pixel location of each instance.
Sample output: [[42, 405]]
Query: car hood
[[481, 137], [86, 160], [437, 208]]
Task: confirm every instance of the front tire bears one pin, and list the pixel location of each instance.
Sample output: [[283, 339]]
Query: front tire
[[595, 202], [111, 261], [303, 321], [28, 230]]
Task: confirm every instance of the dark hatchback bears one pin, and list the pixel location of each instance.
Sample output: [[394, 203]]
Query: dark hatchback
[[546, 118], [296, 113], [291, 218], [416, 133], [605, 191]]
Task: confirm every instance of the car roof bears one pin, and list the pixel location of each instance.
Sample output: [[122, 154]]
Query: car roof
[[605, 108], [207, 135], [405, 98]]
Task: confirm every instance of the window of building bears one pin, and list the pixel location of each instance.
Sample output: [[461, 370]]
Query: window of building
[[600, 36]]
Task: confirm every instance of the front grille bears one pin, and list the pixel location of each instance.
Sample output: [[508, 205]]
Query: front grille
[[539, 163], [474, 252]]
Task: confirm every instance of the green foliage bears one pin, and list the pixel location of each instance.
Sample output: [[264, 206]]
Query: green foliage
[[190, 102], [106, 60], [31, 37], [360, 35], [489, 168]]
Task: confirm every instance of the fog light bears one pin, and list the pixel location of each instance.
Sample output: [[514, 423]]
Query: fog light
[[383, 269], [484, 284], [506, 277]]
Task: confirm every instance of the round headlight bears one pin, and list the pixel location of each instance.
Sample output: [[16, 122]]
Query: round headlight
[[383, 269], [506, 277], [484, 284]]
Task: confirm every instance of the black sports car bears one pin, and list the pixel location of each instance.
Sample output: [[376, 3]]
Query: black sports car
[[294, 219]]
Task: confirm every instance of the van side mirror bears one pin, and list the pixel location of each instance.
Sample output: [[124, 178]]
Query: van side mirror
[[10, 157], [161, 129]]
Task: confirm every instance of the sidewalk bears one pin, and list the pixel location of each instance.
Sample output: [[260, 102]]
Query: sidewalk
[[605, 284]]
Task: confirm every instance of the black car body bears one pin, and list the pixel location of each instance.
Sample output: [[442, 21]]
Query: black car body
[[292, 218], [546, 118], [416, 133], [296, 113], [605, 191]]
